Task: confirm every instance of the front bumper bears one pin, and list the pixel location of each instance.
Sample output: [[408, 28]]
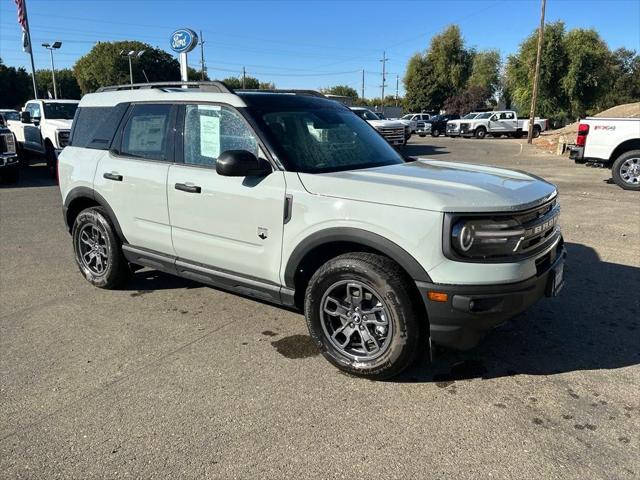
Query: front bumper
[[472, 310], [8, 160]]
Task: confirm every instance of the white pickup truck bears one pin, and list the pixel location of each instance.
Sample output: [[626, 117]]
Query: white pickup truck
[[504, 122], [396, 132], [43, 129], [611, 143]]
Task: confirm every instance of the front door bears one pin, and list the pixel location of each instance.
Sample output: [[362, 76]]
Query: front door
[[32, 135], [132, 177], [231, 224]]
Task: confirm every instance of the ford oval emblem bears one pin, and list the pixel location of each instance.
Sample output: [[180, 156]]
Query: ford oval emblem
[[183, 40]]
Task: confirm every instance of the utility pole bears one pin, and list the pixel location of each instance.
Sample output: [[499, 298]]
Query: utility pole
[[51, 47], [536, 78], [362, 96], [397, 85], [244, 77], [202, 66], [384, 75]]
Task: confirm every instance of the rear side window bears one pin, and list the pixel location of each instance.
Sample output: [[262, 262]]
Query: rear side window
[[146, 132], [95, 127]]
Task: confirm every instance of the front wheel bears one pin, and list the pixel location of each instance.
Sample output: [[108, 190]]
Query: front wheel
[[481, 132], [361, 315], [626, 170], [52, 160], [97, 249], [435, 133]]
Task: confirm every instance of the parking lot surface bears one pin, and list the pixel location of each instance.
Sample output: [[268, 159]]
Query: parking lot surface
[[167, 378]]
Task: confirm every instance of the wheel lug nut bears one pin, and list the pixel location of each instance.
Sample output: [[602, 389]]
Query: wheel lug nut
[[351, 325]]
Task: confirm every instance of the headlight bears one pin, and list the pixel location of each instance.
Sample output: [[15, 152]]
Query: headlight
[[500, 237], [481, 238]]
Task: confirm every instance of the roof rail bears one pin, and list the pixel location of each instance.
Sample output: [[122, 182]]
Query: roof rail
[[206, 86], [310, 93]]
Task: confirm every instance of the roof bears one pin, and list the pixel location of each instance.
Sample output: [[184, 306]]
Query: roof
[[110, 98], [52, 100]]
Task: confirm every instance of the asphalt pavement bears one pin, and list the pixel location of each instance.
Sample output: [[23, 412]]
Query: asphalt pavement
[[167, 378]]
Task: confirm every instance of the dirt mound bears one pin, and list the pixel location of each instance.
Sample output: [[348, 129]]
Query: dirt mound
[[549, 140]]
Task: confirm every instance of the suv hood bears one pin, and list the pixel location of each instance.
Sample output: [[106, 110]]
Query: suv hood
[[386, 123], [59, 124], [434, 185]]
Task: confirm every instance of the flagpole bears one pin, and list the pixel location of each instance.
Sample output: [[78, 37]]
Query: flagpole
[[33, 66]]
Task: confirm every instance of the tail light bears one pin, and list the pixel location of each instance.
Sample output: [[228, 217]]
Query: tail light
[[583, 131]]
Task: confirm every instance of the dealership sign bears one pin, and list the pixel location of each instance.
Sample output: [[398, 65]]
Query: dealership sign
[[183, 40]]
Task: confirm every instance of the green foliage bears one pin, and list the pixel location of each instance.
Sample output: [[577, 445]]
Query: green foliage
[[625, 69], [251, 83], [485, 71], [341, 90], [195, 75], [104, 65], [15, 87], [473, 98], [68, 87]]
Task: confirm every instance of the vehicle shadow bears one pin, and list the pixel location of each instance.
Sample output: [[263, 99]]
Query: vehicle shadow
[[32, 176], [419, 150], [594, 324]]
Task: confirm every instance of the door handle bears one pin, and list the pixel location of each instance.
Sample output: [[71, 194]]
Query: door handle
[[113, 176], [188, 188]]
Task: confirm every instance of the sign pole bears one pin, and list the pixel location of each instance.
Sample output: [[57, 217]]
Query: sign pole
[[184, 72], [182, 42]]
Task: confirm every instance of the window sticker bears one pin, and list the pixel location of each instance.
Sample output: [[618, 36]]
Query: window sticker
[[210, 136], [146, 133]]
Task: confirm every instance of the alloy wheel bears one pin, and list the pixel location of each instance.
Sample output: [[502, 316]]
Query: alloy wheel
[[630, 171], [92, 246]]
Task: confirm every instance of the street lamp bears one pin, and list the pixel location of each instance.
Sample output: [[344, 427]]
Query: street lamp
[[130, 55], [56, 45]]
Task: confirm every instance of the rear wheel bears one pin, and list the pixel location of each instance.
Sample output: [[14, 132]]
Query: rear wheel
[[361, 315], [481, 132], [435, 133], [98, 251], [52, 160], [536, 131], [626, 170]]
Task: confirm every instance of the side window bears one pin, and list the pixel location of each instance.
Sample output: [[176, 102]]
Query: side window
[[145, 134], [34, 110], [210, 130]]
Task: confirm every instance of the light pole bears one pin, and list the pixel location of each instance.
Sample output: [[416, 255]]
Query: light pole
[[54, 46], [130, 55]]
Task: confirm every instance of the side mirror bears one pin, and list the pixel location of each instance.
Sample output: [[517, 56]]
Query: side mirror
[[241, 163], [25, 117]]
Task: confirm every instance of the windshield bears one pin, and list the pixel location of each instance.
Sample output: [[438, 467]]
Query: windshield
[[436, 118], [484, 115], [407, 117], [59, 111], [322, 140], [10, 115], [366, 114], [469, 116]]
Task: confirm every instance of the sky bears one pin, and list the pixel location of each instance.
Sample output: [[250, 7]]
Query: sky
[[304, 44]]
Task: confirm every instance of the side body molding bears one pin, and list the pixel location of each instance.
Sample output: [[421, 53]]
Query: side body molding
[[353, 235]]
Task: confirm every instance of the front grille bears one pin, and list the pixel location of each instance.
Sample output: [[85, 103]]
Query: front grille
[[393, 135], [7, 144], [451, 127], [63, 138], [540, 226]]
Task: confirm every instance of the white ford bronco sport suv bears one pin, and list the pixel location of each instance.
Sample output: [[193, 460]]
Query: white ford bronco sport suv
[[291, 198]]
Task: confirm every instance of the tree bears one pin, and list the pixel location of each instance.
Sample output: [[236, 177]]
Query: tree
[[485, 71], [341, 90], [15, 87], [68, 87], [250, 83], [625, 69], [440, 73], [473, 98], [195, 75], [104, 65]]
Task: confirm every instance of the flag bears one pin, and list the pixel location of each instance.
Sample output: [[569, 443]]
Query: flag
[[22, 20]]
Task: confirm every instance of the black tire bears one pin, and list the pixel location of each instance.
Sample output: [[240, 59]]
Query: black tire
[[435, 133], [480, 133], [622, 175], [10, 175], [52, 161], [115, 271], [518, 134], [536, 131], [391, 285], [422, 135]]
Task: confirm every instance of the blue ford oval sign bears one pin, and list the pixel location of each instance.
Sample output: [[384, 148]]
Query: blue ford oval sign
[[183, 40]]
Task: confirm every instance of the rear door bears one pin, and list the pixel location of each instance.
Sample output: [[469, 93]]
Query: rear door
[[132, 176], [231, 224]]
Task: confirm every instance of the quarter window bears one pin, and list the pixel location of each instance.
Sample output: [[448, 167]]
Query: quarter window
[[210, 130], [145, 134]]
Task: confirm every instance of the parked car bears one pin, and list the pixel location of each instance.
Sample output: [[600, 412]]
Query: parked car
[[453, 126], [498, 123], [9, 166], [414, 120], [394, 131], [437, 125], [7, 115], [292, 199], [44, 128], [611, 143]]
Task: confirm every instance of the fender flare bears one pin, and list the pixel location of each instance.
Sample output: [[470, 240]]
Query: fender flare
[[353, 235], [86, 192]]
